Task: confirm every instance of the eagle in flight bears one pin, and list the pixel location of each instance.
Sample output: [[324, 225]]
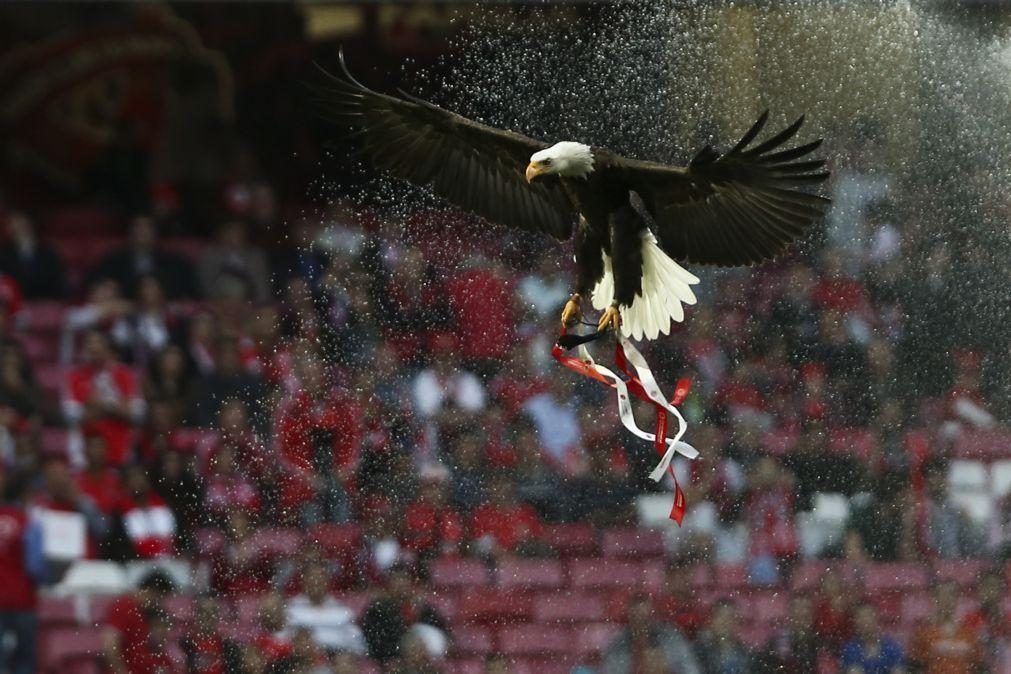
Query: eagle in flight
[[631, 221]]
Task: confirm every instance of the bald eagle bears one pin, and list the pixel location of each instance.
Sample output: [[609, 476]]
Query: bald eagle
[[631, 221]]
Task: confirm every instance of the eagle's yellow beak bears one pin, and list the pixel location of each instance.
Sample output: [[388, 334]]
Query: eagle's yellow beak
[[534, 169]]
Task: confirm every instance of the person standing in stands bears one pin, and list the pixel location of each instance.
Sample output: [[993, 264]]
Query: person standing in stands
[[870, 651], [126, 642], [22, 568], [646, 640], [142, 256], [943, 645], [34, 264]]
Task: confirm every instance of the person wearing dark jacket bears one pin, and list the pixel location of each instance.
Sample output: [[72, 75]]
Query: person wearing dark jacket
[[33, 264], [387, 619], [142, 256]]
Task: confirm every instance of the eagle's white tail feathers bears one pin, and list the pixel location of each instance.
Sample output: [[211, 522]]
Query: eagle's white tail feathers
[[666, 285]]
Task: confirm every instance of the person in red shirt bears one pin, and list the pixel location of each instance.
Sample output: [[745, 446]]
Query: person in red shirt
[[273, 640], [103, 396], [678, 604], [503, 524], [126, 635], [22, 567], [227, 487], [482, 301], [207, 652], [149, 522], [320, 432], [988, 620], [833, 614], [431, 525], [102, 484]]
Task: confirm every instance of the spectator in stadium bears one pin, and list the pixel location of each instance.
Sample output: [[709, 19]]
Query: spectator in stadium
[[870, 651], [431, 526], [794, 648], [989, 621], [504, 525], [175, 480], [22, 569], [22, 403], [127, 625], [103, 396], [59, 493], [946, 531], [272, 640], [103, 309], [319, 433], [770, 511], [719, 646], [942, 645], [880, 526], [388, 619], [679, 604], [205, 649], [144, 256], [147, 519], [469, 480], [232, 267], [421, 648], [240, 567], [31, 262], [169, 380], [555, 415], [497, 663], [833, 610], [98, 480], [149, 327], [646, 638], [445, 388], [331, 623], [227, 487], [227, 380]]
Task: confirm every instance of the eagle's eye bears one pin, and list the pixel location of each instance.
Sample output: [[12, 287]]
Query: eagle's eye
[[546, 162]]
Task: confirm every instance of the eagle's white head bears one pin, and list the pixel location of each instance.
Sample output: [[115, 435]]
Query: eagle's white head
[[567, 159]]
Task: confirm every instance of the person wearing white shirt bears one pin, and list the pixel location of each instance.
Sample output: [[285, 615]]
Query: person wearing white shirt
[[330, 622]]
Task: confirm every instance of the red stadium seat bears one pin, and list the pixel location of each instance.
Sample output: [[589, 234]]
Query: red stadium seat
[[444, 601], [494, 606], [530, 573], [209, 542], [887, 577], [60, 647], [730, 578], [763, 607], [632, 543], [965, 573], [571, 539], [335, 540], [605, 573], [247, 608], [276, 541], [459, 572], [808, 575], [54, 441], [520, 640], [568, 607], [916, 607], [45, 317], [465, 667], [595, 637], [472, 640], [58, 611], [179, 608], [50, 377]]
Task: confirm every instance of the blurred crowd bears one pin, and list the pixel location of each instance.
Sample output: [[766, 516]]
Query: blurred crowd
[[391, 372]]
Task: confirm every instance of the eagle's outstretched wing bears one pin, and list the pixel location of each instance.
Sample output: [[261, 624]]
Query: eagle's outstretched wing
[[476, 167], [736, 209]]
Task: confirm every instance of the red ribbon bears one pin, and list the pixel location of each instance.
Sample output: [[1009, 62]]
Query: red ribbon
[[636, 387]]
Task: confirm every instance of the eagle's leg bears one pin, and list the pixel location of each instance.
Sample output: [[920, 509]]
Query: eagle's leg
[[572, 312], [610, 319]]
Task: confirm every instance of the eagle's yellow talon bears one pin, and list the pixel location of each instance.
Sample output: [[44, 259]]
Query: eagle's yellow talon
[[611, 318], [572, 312]]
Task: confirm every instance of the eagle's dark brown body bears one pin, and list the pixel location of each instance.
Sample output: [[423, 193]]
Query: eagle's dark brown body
[[738, 208]]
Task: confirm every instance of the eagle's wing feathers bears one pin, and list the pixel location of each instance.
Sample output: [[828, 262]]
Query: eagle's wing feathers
[[476, 167], [739, 208]]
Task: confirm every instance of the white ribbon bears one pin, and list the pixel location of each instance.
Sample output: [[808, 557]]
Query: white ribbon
[[674, 445]]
